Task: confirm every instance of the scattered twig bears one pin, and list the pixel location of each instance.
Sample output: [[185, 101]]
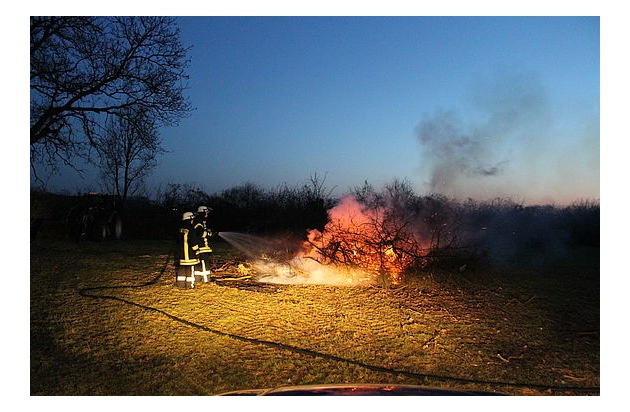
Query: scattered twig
[[502, 358], [449, 314], [573, 378], [529, 300], [431, 340]]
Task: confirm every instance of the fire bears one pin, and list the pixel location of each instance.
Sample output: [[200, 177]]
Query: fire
[[371, 241], [358, 245]]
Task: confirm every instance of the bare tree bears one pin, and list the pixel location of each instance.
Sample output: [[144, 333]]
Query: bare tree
[[84, 69], [128, 150]]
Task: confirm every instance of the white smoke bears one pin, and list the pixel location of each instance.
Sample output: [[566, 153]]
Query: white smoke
[[301, 269], [306, 271]]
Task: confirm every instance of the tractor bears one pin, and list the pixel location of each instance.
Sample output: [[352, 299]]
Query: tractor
[[95, 217]]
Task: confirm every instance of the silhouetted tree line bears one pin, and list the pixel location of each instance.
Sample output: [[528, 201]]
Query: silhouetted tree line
[[246, 208], [498, 231], [504, 232]]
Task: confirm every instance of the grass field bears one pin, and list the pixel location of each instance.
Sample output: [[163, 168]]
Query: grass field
[[106, 319]]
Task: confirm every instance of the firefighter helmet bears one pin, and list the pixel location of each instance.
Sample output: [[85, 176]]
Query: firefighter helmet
[[187, 215], [202, 209]]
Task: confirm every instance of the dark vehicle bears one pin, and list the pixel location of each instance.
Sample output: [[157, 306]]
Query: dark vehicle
[[358, 390], [95, 217]]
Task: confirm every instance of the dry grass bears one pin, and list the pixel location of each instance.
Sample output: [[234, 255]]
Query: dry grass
[[106, 319]]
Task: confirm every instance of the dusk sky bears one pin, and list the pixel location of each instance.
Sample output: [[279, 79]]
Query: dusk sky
[[478, 107]]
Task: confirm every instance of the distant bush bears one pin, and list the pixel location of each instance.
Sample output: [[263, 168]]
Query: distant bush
[[505, 232], [252, 209], [582, 220]]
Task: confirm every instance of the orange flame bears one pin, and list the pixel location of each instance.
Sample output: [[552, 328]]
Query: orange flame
[[360, 238]]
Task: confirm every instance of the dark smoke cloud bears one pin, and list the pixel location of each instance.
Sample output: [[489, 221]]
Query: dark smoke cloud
[[453, 152], [512, 113]]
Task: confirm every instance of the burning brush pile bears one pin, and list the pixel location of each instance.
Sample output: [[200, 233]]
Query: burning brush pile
[[362, 243], [375, 241]]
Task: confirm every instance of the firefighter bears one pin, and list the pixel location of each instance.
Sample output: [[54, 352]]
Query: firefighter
[[188, 246], [204, 233]]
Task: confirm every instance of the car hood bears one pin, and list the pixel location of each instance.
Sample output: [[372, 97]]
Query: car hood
[[356, 390]]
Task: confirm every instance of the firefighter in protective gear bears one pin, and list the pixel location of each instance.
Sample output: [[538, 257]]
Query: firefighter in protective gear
[[188, 245], [204, 233]]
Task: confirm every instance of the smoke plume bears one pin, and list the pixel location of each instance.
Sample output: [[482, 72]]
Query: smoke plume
[[479, 157]]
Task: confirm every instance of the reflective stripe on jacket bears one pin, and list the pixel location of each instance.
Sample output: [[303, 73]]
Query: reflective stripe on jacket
[[203, 234], [187, 250]]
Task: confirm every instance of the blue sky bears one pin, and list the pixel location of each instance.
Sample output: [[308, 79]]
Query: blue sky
[[466, 106]]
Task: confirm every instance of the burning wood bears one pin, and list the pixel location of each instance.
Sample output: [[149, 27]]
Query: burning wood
[[374, 239]]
